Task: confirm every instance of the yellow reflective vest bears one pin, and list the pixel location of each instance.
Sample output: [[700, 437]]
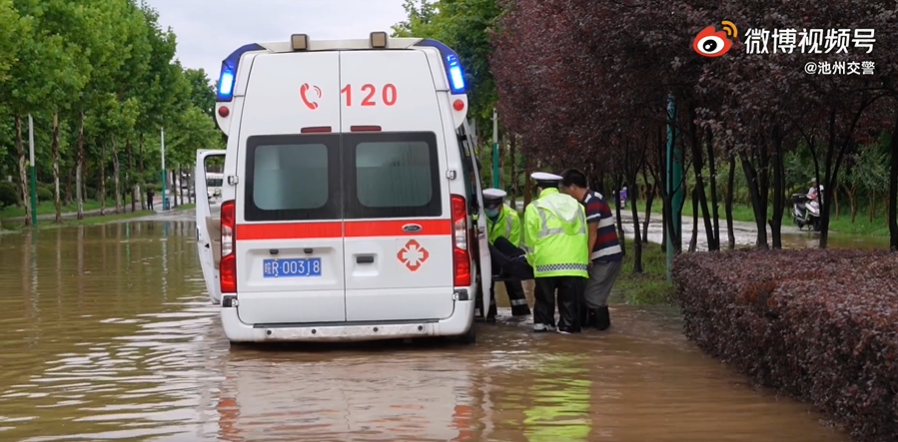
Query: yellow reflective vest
[[507, 225], [555, 237]]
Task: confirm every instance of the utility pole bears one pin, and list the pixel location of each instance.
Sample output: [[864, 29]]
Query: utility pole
[[164, 188], [32, 172], [674, 183], [495, 149]]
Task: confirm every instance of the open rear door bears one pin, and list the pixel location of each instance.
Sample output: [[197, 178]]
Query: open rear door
[[208, 220], [466, 138]]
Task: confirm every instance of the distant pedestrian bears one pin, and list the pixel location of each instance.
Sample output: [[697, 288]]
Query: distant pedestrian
[[606, 255], [623, 198], [150, 194]]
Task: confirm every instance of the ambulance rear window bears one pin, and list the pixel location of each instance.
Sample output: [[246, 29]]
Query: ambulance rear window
[[292, 177], [392, 175]]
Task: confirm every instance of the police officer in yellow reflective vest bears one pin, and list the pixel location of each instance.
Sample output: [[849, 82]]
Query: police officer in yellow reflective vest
[[556, 243], [504, 222]]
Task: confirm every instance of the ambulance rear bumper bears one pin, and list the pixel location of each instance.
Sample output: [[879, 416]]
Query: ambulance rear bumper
[[458, 323]]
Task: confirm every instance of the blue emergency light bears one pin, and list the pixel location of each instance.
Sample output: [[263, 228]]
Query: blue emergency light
[[229, 71], [454, 71]]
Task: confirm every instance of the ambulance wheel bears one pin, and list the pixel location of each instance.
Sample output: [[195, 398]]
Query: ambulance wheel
[[470, 336]]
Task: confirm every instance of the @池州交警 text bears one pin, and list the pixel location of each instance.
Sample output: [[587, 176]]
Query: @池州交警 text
[[839, 68]]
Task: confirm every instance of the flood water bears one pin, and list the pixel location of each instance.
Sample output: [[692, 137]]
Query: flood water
[[109, 334]]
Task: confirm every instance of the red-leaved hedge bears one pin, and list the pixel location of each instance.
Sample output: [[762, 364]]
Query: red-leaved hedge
[[820, 325]]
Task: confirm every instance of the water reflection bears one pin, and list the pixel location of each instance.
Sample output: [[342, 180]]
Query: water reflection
[[109, 335], [561, 398]]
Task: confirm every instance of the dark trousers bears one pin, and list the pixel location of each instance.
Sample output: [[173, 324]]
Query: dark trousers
[[510, 266], [149, 203], [516, 297], [570, 289]]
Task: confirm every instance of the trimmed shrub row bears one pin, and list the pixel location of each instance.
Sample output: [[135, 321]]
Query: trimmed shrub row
[[819, 325]]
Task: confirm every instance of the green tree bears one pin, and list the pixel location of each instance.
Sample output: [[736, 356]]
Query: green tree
[[38, 73], [202, 93]]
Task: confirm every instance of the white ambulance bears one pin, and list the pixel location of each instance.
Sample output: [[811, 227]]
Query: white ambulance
[[350, 189]]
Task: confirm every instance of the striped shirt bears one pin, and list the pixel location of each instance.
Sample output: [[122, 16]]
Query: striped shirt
[[607, 248]]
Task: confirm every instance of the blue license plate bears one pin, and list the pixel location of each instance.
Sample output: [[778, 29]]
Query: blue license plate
[[291, 268]]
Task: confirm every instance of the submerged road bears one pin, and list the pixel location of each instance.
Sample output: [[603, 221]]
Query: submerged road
[[109, 334]]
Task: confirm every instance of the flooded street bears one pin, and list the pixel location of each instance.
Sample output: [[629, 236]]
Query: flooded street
[[109, 334]]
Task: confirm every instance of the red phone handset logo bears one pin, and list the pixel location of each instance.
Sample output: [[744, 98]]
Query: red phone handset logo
[[304, 94], [713, 43]]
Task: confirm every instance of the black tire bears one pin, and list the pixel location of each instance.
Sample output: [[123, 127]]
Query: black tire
[[818, 225]]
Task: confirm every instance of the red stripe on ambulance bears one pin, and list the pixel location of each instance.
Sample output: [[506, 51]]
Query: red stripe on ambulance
[[353, 229], [359, 229], [250, 232]]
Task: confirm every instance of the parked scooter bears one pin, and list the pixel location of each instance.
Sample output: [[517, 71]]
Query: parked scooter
[[806, 212]]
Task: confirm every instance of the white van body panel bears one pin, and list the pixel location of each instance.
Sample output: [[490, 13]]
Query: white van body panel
[[389, 290], [206, 213], [273, 106], [366, 289]]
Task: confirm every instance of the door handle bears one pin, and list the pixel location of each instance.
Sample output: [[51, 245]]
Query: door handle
[[364, 259]]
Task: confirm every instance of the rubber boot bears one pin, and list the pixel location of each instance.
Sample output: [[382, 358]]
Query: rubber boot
[[603, 319]]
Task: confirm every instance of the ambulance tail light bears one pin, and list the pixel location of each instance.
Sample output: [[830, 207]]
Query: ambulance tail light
[[228, 255], [228, 76], [461, 257]]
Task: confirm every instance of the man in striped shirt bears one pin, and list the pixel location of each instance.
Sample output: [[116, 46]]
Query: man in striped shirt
[[606, 255]]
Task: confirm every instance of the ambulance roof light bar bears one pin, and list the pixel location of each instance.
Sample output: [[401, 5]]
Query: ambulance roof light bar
[[228, 74]]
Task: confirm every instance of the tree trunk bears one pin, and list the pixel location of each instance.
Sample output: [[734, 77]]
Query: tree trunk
[[872, 206], [699, 190], [728, 203], [779, 188], [116, 177], [57, 201], [649, 198], [528, 189], [23, 172], [512, 147], [79, 166], [715, 206], [632, 175], [132, 183], [101, 188], [693, 243], [893, 187], [758, 193], [620, 224], [852, 199]]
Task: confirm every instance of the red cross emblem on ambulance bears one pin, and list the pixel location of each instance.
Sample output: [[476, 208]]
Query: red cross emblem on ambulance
[[413, 255]]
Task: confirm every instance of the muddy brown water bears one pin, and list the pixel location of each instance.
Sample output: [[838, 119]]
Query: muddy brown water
[[108, 334]]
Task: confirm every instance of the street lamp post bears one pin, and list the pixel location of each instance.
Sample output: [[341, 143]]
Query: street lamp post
[[164, 188], [32, 171], [674, 183]]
